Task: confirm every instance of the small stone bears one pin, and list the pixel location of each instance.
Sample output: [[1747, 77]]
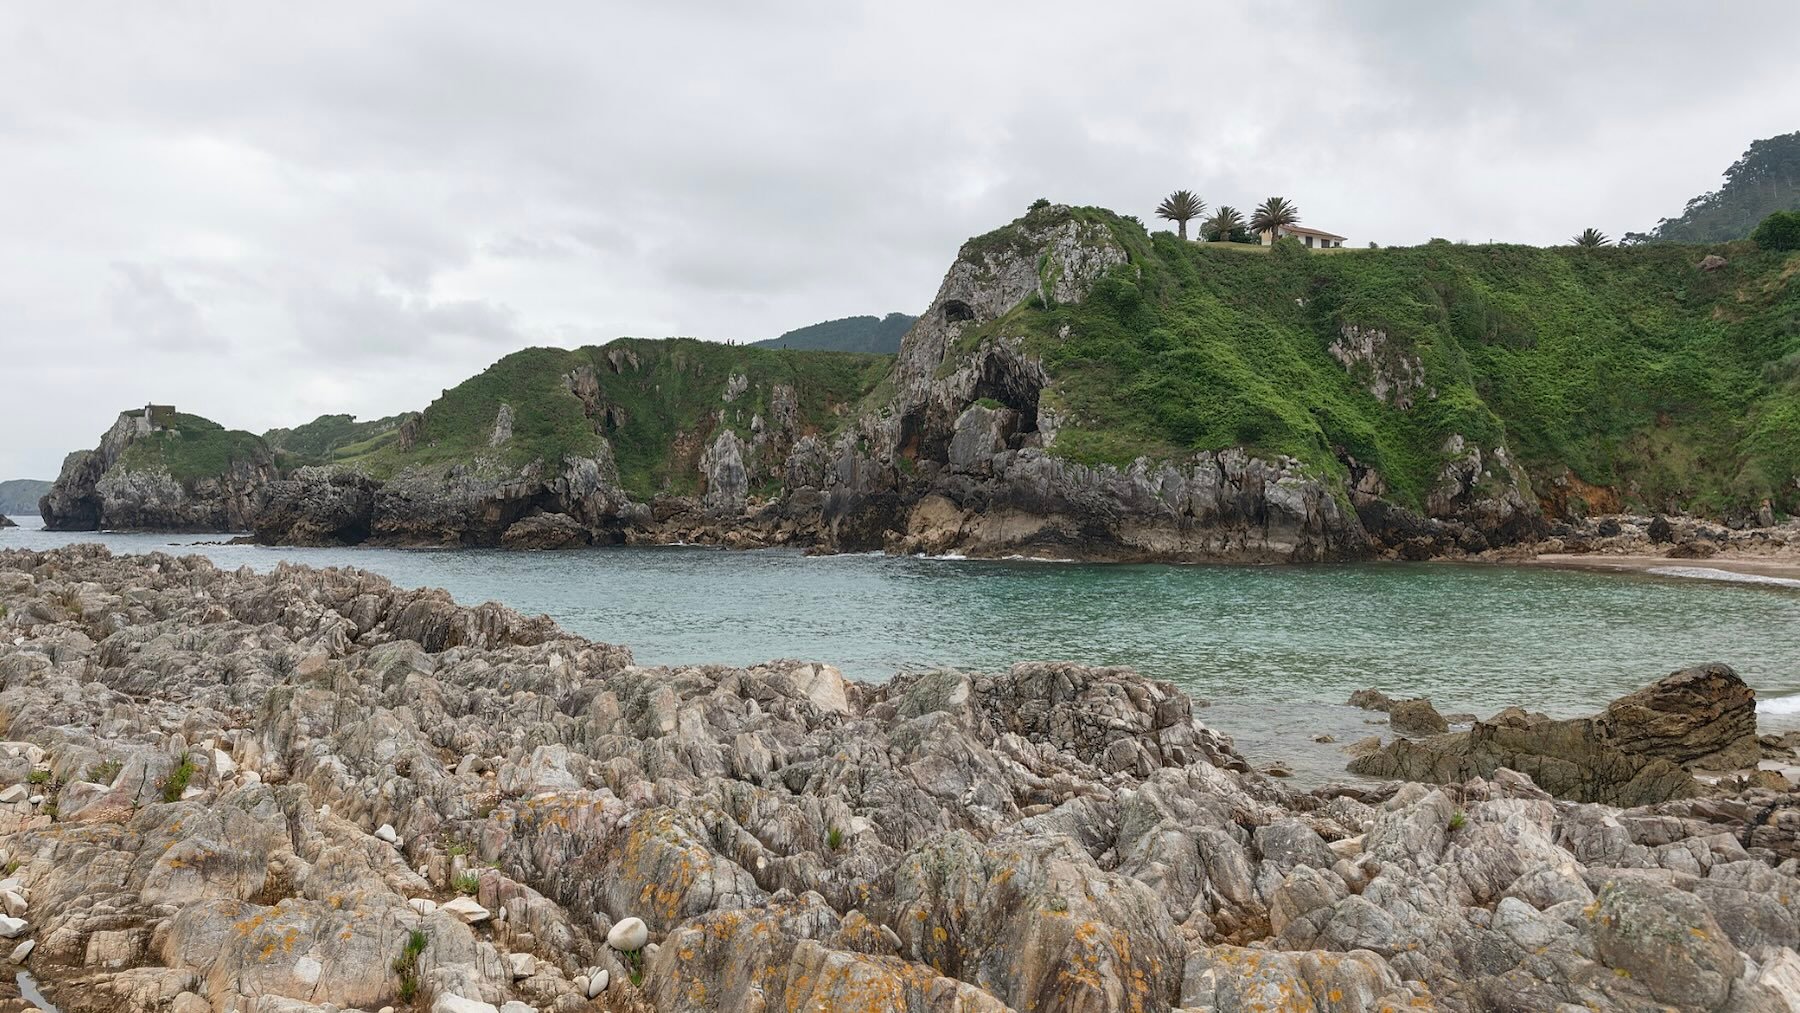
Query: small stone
[[13, 903], [423, 905], [21, 951], [1324, 738], [515, 1006], [13, 793], [13, 928], [386, 833], [597, 983], [581, 986], [449, 1002], [467, 909], [36, 800], [523, 965], [628, 935]]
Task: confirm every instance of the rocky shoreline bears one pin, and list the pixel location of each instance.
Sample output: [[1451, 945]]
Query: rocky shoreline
[[310, 790]]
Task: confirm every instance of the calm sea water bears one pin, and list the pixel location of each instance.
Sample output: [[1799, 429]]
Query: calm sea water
[[1276, 650]]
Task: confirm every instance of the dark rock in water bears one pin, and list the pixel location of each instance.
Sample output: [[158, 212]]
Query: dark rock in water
[[1568, 759], [1637, 752], [6, 522], [1416, 717], [1660, 531], [545, 531], [1702, 717], [1371, 700]]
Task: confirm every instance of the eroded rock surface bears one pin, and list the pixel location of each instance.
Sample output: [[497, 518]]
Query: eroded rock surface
[[1639, 750], [282, 791]]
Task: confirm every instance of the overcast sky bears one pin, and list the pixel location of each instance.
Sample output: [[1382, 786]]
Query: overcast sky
[[262, 213]]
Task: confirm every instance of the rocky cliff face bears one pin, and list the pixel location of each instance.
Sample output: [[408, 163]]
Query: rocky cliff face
[[958, 450], [104, 489], [310, 790]]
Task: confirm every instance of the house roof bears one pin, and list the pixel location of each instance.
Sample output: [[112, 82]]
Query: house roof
[[1303, 230]]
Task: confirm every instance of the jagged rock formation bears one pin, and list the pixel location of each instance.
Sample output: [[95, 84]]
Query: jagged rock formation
[[139, 479], [1638, 751], [227, 788]]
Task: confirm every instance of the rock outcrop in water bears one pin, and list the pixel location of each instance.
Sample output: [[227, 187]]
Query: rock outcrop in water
[[157, 470], [275, 792], [1638, 751]]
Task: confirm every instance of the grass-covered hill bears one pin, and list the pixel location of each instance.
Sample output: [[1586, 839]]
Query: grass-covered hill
[[657, 402], [871, 335], [1632, 369], [327, 437], [191, 448], [1621, 378]]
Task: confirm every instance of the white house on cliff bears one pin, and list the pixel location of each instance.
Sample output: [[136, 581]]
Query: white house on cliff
[[1315, 238]]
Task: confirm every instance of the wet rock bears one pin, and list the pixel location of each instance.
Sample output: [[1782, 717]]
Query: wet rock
[[1416, 717], [1636, 752], [1701, 717]]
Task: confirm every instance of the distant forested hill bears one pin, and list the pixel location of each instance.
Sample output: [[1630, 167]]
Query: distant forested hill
[[21, 495], [1765, 180], [878, 335]]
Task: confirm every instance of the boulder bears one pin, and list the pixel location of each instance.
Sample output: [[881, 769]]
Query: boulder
[[1638, 751], [628, 935], [545, 531], [466, 909], [1703, 717], [1416, 717]]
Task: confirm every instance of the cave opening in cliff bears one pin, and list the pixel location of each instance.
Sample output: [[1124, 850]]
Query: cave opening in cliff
[[1016, 390], [956, 311]]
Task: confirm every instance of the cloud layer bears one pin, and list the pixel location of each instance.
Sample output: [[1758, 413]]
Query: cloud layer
[[265, 214]]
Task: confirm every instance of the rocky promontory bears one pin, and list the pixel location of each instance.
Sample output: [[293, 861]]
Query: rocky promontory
[[310, 790], [1078, 387]]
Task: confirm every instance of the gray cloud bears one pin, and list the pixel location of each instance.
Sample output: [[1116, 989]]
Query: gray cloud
[[266, 214]]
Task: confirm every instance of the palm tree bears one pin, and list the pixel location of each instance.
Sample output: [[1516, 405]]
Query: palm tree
[[1180, 207], [1591, 238], [1272, 215], [1223, 224]]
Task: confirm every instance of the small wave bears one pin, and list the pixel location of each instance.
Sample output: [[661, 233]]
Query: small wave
[[948, 557], [1789, 704], [1710, 573]]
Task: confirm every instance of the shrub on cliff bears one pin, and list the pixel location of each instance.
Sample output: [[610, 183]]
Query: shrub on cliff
[[1779, 231]]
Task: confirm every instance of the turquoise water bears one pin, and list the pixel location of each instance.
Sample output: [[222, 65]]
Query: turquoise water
[[1263, 644]]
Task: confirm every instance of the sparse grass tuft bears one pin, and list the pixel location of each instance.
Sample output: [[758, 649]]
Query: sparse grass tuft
[[466, 882], [104, 772], [406, 965], [177, 781], [834, 838]]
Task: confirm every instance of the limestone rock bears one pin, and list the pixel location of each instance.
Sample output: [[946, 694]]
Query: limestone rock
[[628, 935]]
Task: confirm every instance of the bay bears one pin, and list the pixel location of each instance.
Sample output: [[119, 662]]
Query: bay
[[1275, 651]]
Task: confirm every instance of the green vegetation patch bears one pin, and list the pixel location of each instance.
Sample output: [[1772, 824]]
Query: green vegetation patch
[[1633, 367], [326, 437], [659, 403], [193, 449]]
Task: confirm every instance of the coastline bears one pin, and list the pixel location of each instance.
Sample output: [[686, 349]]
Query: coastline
[[1784, 566]]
